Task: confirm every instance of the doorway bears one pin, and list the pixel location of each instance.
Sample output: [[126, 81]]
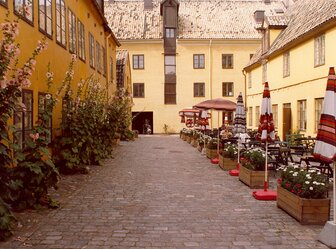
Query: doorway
[[286, 120], [138, 121]]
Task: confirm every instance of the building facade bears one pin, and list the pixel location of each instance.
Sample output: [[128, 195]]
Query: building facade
[[294, 58], [184, 52], [69, 27]]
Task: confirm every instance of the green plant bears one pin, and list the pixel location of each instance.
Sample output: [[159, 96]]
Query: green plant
[[212, 143], [7, 221], [165, 128], [230, 151], [254, 159], [311, 184]]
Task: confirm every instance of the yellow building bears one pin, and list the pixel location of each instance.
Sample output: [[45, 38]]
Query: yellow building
[[70, 27], [184, 52], [297, 50]]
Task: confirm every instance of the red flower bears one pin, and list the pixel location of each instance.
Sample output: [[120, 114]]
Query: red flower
[[279, 180], [298, 185]]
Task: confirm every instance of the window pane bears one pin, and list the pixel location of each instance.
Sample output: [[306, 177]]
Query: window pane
[[170, 69], [169, 60]]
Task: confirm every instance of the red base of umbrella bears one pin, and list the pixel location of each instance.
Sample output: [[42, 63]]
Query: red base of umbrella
[[265, 195], [234, 172], [215, 161]]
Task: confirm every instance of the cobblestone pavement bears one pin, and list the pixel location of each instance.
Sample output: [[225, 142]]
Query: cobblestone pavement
[[160, 192]]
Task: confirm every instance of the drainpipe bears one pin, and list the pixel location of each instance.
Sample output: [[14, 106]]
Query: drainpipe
[[107, 67], [245, 87], [210, 76]]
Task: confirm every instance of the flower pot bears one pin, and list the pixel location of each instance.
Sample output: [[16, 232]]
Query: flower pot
[[252, 178], [306, 211], [211, 153], [227, 163]]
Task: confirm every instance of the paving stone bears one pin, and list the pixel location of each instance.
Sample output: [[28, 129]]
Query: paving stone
[[152, 198]]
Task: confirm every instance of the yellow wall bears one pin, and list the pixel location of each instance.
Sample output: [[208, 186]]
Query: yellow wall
[[212, 75], [59, 57], [305, 82]]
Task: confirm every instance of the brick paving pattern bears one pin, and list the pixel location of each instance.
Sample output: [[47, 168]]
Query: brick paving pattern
[[160, 192]]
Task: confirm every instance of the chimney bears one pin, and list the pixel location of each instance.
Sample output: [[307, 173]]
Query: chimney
[[259, 16], [148, 5]]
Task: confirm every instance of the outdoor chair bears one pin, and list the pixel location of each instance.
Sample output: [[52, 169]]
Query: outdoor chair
[[312, 162], [296, 153]]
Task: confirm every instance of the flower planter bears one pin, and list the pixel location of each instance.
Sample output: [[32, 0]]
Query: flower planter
[[188, 139], [227, 163], [306, 211], [211, 153], [252, 178], [200, 147]]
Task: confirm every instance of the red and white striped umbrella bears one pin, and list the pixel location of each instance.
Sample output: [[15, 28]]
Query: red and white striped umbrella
[[266, 134], [266, 125], [325, 146], [240, 117]]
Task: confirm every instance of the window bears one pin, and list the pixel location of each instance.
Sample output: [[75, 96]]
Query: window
[[98, 57], [42, 102], [227, 61], [319, 51], [170, 64], [170, 33], [104, 60], [72, 32], [23, 121], [138, 90], [91, 50], [318, 110], [286, 65], [249, 75], [45, 17], [302, 115], [264, 72], [81, 41], [138, 61], [25, 8], [111, 70], [60, 23], [249, 113], [275, 115], [198, 61], [199, 89], [257, 115], [227, 89], [4, 3]]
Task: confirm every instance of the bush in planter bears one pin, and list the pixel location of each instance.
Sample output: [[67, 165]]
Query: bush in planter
[[254, 159], [310, 184], [230, 151], [212, 143]]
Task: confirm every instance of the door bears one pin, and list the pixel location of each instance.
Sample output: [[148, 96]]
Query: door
[[139, 120], [286, 120]]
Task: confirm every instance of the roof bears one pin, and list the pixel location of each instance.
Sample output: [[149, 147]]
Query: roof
[[300, 24], [198, 19], [277, 21]]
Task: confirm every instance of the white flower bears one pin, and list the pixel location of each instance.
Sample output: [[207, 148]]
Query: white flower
[[295, 173], [322, 184], [311, 188], [314, 182], [307, 182], [48, 96]]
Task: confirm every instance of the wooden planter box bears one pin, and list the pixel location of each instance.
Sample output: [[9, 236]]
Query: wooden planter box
[[211, 153], [184, 137], [252, 178], [188, 139], [306, 211], [200, 147], [194, 142], [227, 163]]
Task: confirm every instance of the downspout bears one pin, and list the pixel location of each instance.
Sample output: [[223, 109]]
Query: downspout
[[210, 76], [107, 65], [245, 87]]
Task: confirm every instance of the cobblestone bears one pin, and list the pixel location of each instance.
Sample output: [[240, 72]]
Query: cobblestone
[[159, 192]]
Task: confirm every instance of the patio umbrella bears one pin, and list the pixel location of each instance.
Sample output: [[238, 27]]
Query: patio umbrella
[[266, 134], [325, 149], [239, 128], [218, 104]]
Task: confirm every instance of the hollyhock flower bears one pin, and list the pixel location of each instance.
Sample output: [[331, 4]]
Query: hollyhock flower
[[48, 96], [34, 136]]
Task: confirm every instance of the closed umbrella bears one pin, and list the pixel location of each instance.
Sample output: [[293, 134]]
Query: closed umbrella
[[325, 149], [218, 104], [266, 134]]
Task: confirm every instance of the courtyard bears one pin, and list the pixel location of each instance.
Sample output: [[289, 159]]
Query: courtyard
[[159, 192]]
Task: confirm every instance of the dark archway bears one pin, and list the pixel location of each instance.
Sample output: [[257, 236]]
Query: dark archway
[[139, 121]]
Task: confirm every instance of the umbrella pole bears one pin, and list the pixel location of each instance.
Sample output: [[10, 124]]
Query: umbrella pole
[[265, 183], [218, 135], [334, 192]]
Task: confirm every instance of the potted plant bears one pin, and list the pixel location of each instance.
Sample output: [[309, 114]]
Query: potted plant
[[252, 170], [189, 134], [196, 135], [302, 193], [228, 156], [211, 148]]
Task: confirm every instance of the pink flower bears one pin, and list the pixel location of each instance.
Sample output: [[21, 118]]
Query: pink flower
[[73, 57], [3, 83], [34, 136], [25, 83]]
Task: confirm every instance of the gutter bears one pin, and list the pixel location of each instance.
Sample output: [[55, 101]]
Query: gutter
[[210, 75], [245, 88]]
